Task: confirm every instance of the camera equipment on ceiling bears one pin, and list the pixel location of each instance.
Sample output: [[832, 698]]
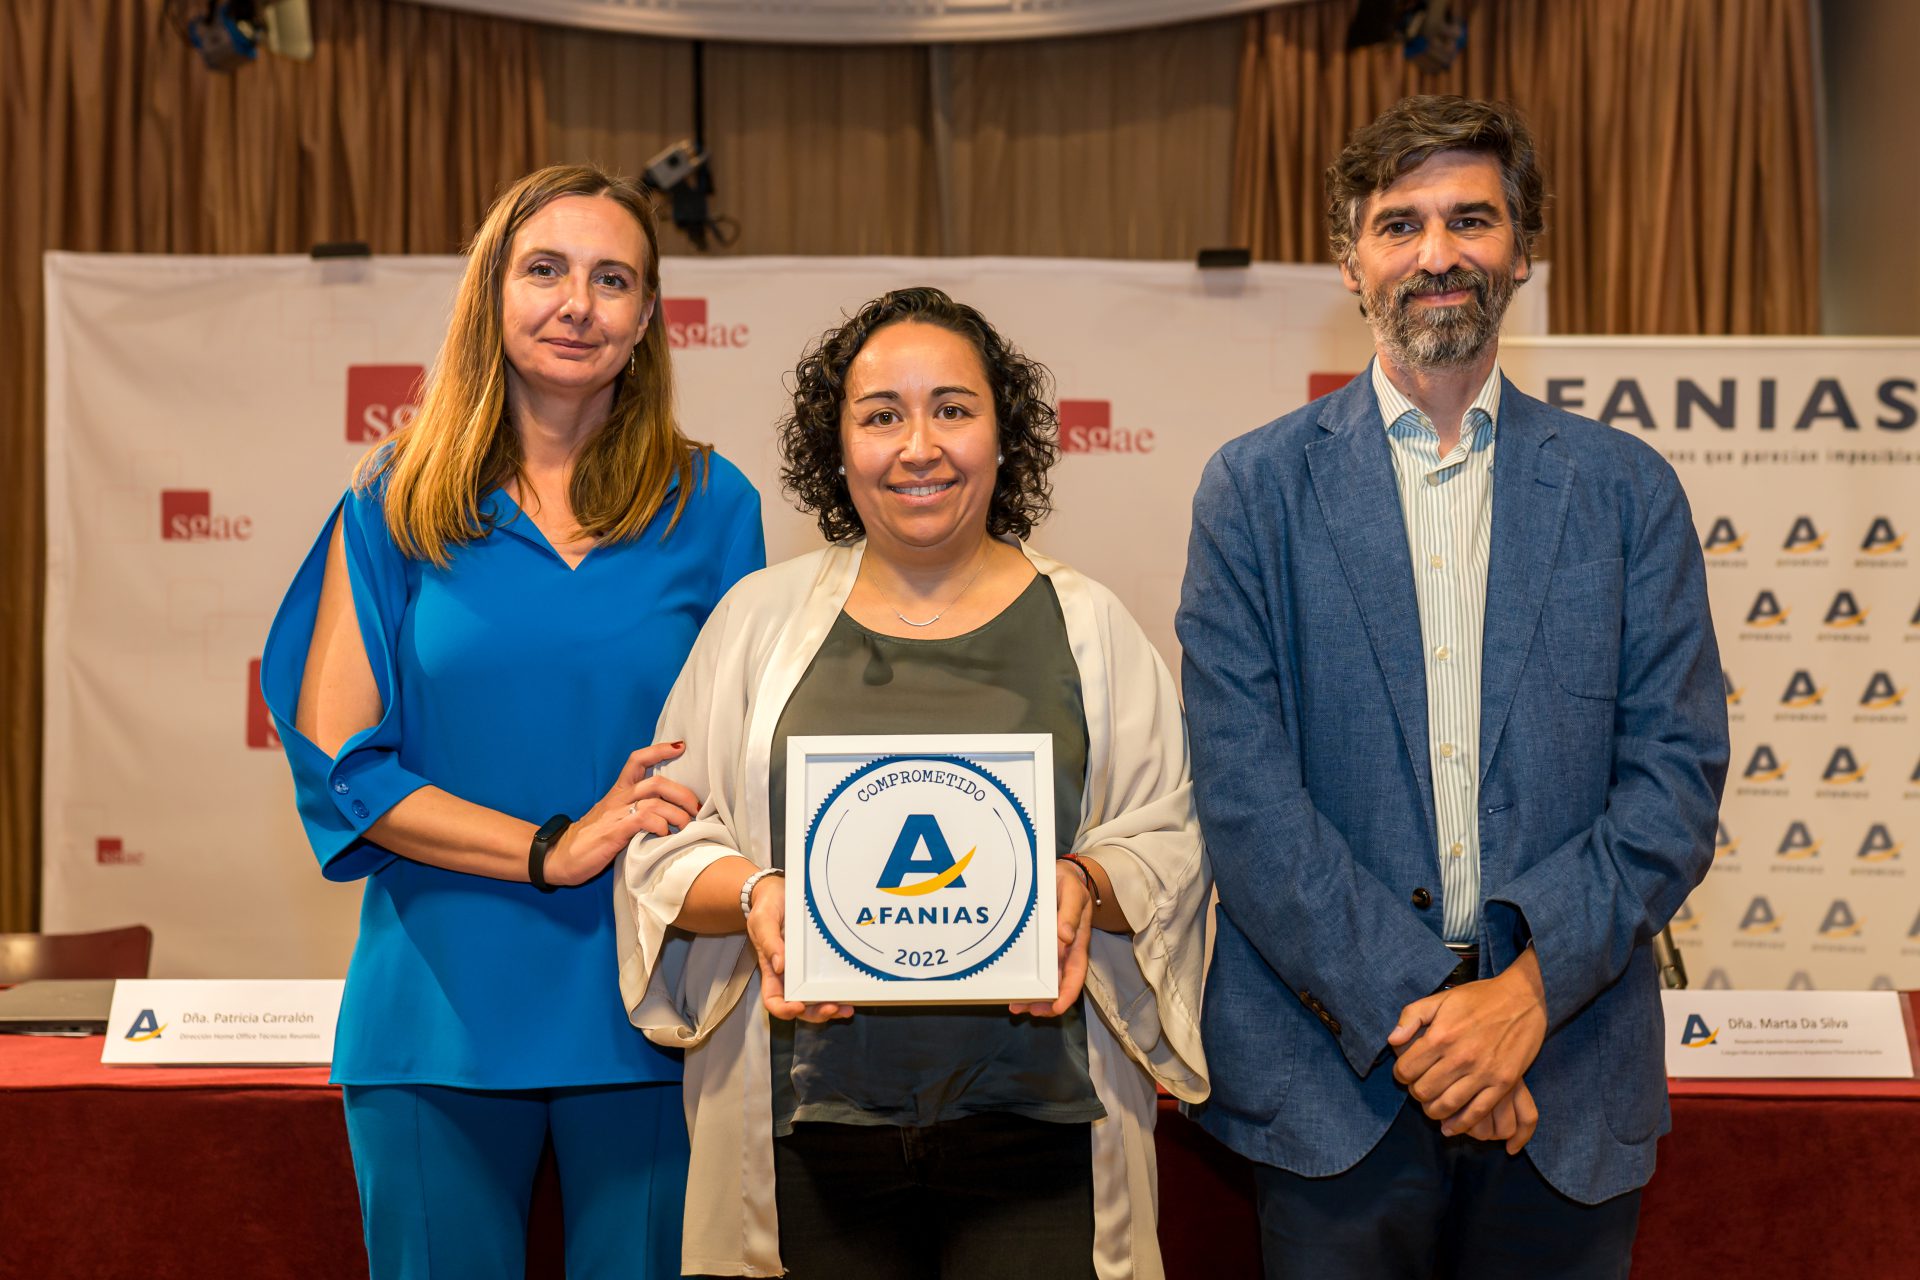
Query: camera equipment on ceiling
[[228, 34], [1430, 32]]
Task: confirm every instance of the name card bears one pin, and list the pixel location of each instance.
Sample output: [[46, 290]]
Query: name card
[[1787, 1035], [222, 1022], [920, 869]]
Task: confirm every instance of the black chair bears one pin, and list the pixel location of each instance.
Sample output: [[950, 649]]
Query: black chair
[[110, 953]]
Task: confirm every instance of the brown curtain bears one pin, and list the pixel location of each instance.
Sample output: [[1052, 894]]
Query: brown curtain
[[114, 138], [1116, 146], [1679, 139], [1108, 146]]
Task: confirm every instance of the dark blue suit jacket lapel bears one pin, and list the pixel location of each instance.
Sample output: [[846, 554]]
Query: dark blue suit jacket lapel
[[1531, 487], [1352, 473]]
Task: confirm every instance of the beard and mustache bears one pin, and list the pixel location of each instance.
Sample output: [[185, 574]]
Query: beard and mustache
[[1438, 338]]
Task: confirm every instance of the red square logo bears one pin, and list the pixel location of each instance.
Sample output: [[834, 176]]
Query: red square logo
[[381, 398], [1325, 384], [684, 312], [261, 735], [185, 513], [111, 851], [1085, 425]]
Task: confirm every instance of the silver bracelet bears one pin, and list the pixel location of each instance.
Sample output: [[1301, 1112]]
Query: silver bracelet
[[746, 890]]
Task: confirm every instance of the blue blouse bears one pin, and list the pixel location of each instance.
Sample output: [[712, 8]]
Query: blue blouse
[[517, 683]]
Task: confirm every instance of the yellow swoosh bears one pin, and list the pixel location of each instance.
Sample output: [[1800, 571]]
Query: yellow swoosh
[[940, 881], [150, 1035]]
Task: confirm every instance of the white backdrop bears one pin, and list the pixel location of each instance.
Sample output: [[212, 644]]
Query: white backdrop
[[203, 414]]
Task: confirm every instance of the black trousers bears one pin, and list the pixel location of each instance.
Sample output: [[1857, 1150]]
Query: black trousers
[[987, 1197], [1421, 1206]]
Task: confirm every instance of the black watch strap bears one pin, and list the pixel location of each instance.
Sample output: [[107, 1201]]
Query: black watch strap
[[543, 839]]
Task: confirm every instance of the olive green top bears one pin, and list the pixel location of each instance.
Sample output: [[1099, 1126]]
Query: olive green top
[[910, 1066]]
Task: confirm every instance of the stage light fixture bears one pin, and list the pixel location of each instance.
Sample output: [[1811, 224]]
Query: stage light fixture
[[228, 34]]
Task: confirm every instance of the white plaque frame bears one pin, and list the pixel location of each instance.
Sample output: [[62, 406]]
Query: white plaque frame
[[880, 801]]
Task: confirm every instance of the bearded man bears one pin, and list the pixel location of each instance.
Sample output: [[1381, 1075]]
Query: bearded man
[[1458, 747]]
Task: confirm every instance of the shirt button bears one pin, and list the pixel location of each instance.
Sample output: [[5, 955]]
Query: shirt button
[[1443, 653], [1433, 477], [1436, 562], [359, 808], [1422, 899], [340, 785], [1457, 850], [1446, 751]]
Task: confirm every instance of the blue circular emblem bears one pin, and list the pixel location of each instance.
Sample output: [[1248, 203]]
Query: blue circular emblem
[[921, 867]]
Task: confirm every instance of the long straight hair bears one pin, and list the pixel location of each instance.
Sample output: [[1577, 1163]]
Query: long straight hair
[[460, 446]]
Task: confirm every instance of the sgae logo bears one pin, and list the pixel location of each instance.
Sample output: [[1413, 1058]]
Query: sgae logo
[[1881, 694], [1839, 921], [1842, 768], [1697, 1033], [904, 895], [1800, 981], [186, 515], [1878, 845], [1723, 539], [1759, 917], [1684, 920], [1845, 612], [1763, 766], [261, 735], [1798, 843], [688, 325], [1766, 611], [1733, 692], [1881, 540], [145, 1026], [1325, 384], [1086, 426], [381, 399], [1804, 538], [112, 851], [1802, 691], [1724, 845]]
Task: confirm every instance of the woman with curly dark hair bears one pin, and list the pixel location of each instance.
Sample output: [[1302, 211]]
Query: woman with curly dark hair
[[928, 1141]]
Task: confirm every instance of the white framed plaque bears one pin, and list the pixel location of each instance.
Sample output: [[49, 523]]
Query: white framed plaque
[[919, 869]]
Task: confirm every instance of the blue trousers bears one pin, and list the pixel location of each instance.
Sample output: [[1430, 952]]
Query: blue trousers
[[446, 1178], [1421, 1206]]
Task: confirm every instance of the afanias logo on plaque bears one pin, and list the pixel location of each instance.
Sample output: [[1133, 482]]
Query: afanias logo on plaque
[[921, 867]]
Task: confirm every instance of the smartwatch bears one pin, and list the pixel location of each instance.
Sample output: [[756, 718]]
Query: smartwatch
[[550, 831]]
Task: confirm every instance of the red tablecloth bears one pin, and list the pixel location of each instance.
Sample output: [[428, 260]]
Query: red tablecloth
[[160, 1173]]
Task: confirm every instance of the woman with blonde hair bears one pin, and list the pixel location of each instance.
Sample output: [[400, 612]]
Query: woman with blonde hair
[[461, 671]]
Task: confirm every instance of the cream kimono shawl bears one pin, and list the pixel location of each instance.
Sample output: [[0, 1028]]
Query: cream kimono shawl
[[701, 994]]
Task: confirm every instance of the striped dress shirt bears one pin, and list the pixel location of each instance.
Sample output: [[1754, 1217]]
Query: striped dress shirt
[[1447, 506]]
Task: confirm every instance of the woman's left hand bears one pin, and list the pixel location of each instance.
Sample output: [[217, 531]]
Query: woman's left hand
[[1073, 927]]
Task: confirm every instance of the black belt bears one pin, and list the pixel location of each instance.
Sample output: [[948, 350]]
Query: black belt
[[1468, 968]]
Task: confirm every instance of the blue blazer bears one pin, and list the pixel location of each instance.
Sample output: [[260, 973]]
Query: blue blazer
[[1603, 750]]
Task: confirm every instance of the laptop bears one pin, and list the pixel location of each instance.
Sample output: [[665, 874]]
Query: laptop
[[57, 1007]]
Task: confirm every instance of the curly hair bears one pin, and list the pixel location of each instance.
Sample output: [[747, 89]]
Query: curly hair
[[1025, 417], [1412, 131]]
